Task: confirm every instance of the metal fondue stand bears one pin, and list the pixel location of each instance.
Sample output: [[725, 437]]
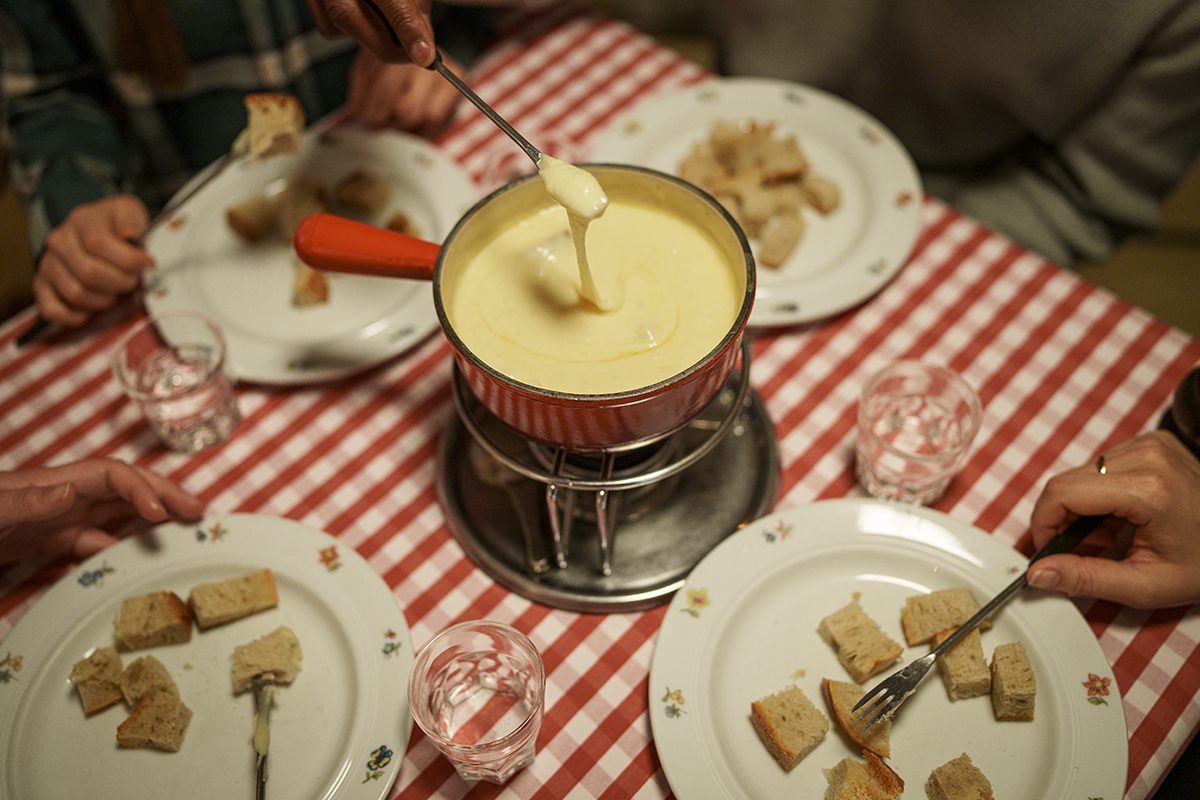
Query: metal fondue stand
[[514, 504]]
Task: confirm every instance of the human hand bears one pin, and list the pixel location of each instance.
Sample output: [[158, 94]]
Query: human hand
[[378, 24], [402, 96], [62, 510], [89, 260], [1152, 482]]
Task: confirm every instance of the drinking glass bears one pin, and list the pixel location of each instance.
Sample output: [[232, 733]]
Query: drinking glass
[[476, 690], [916, 422], [173, 366]]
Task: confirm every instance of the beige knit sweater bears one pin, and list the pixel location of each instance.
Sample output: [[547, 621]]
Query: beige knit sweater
[[1062, 123]]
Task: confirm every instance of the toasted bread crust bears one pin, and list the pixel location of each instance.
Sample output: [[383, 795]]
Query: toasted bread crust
[[841, 696]]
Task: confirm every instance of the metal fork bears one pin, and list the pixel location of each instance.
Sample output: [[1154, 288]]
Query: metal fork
[[889, 693]]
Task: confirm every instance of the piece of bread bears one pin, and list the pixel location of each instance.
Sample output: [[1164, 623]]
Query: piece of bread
[[277, 654], [254, 218], [224, 601], [1013, 683], [159, 719], [763, 180], [144, 675], [275, 123], [821, 193], [363, 192], [854, 780], [788, 724], [154, 619], [298, 201], [964, 668], [309, 287], [841, 696], [400, 223], [778, 237], [927, 614], [97, 678], [883, 775], [861, 645], [958, 779]]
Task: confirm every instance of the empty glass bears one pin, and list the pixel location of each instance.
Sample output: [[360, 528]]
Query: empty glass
[[173, 366], [916, 422], [476, 690]]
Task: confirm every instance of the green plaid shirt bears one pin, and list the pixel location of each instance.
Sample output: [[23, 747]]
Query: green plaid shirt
[[78, 130]]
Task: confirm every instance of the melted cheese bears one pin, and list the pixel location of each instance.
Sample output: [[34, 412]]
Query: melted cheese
[[578, 191], [516, 304]]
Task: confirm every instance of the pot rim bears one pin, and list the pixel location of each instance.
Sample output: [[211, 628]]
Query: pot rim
[[730, 339]]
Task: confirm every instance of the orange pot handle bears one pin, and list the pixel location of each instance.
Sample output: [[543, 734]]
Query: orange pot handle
[[336, 244]]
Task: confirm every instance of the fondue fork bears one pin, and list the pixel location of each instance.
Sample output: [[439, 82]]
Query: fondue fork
[[887, 696], [488, 111], [466, 91]]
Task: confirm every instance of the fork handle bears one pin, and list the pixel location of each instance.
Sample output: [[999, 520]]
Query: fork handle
[[1070, 538], [1064, 542]]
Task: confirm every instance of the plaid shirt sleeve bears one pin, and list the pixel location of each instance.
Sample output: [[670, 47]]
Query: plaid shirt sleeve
[[68, 148], [65, 149]]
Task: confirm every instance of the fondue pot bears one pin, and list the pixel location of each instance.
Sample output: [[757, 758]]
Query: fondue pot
[[579, 422]]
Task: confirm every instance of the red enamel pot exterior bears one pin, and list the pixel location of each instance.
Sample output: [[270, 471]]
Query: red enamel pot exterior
[[601, 422], [584, 423]]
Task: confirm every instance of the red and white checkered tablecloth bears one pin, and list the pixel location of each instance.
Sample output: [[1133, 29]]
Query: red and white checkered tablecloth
[[1064, 370]]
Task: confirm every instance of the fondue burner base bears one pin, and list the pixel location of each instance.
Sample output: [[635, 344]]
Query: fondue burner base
[[661, 531]]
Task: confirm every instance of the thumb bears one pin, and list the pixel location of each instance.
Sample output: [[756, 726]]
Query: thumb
[[35, 503], [1121, 582]]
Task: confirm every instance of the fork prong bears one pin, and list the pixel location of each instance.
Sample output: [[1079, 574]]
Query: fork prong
[[882, 713], [883, 696]]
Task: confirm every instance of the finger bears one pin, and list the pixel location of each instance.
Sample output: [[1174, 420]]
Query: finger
[[410, 21], [151, 495], [129, 218], [76, 264], [1085, 491], [52, 307], [35, 503], [325, 26], [405, 107], [113, 240], [178, 502], [440, 107], [389, 90], [1138, 584], [362, 72], [367, 25], [414, 109]]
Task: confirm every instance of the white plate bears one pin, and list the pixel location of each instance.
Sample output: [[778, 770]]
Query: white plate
[[247, 288], [843, 258], [339, 731], [744, 626]]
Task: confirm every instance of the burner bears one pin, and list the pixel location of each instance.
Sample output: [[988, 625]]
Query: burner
[[506, 498]]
